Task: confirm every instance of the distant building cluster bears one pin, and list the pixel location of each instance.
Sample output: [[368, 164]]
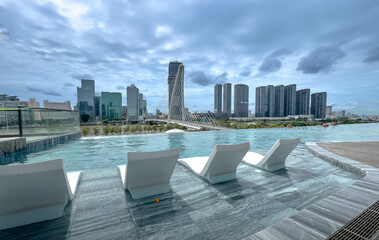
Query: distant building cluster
[[272, 101], [223, 100], [282, 101], [339, 114], [14, 102], [108, 106]]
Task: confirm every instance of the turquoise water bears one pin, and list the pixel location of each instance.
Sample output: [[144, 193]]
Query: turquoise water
[[109, 151]]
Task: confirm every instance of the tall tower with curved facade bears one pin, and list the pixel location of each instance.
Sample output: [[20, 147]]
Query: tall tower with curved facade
[[176, 91]]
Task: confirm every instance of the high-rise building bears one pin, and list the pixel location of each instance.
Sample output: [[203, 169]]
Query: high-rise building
[[176, 91], [279, 101], [218, 100], [241, 100], [98, 108], [132, 100], [57, 105], [302, 101], [318, 105], [290, 100], [269, 101], [86, 99], [261, 101], [144, 103], [111, 105], [140, 104], [227, 101]]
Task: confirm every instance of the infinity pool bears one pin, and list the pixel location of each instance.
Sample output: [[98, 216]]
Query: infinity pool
[[194, 208], [105, 152]]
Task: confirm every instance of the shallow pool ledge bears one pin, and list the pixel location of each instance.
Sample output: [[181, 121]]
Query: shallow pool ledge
[[11, 145], [330, 214]]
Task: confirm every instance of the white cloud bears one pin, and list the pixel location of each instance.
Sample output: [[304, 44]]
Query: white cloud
[[162, 31], [74, 12], [173, 45]]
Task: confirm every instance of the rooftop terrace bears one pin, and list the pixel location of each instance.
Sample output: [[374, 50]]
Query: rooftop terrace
[[193, 208]]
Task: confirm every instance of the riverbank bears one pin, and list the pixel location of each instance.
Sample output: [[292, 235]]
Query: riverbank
[[273, 123]]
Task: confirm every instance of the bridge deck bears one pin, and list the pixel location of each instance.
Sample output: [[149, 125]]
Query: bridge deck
[[193, 125]]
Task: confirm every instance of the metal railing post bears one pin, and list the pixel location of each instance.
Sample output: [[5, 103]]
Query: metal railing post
[[20, 121]]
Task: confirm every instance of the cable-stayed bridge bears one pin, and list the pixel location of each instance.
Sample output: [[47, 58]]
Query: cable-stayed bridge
[[178, 113]]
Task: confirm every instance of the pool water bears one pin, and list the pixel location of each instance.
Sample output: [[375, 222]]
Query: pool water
[[110, 151]]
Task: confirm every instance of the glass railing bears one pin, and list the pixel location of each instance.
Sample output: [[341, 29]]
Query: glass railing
[[37, 122]]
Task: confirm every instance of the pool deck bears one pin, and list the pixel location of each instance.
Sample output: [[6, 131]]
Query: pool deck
[[334, 212], [364, 152]]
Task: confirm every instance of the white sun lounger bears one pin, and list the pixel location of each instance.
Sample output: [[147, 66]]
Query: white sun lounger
[[34, 192], [275, 157], [221, 166], [148, 173]]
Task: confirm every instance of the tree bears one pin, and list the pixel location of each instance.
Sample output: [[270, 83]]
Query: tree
[[84, 117]]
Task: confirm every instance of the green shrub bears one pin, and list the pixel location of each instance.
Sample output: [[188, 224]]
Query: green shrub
[[127, 129], [116, 129], [96, 130], [107, 129], [85, 130], [350, 121], [154, 128]]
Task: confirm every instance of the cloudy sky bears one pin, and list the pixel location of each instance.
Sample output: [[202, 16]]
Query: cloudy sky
[[47, 46]]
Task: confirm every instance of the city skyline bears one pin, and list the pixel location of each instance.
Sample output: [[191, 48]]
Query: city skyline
[[320, 45]]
